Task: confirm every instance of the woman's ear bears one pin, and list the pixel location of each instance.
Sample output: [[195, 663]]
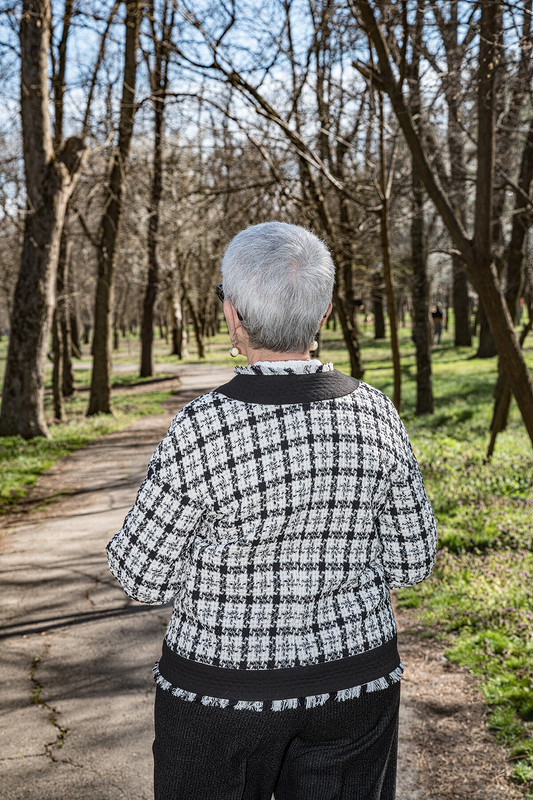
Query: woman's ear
[[231, 318]]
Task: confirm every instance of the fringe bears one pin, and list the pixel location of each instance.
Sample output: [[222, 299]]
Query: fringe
[[219, 702], [249, 705], [313, 701], [316, 700], [348, 694], [283, 705], [375, 686], [181, 693]]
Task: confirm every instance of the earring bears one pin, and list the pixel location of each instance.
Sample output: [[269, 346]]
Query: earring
[[233, 351], [314, 345]]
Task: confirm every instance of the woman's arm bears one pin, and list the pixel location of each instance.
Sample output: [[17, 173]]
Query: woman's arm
[[144, 554], [406, 524]]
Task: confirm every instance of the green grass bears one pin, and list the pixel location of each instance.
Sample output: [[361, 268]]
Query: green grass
[[479, 600], [21, 461]]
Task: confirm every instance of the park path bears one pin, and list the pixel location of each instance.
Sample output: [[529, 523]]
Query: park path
[[75, 644]]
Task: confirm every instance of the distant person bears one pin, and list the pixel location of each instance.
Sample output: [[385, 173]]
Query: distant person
[[277, 513], [438, 322]]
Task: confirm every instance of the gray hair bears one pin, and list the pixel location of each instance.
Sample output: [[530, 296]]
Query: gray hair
[[279, 278]]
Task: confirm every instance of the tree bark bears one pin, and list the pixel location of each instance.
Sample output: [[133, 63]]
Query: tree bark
[[57, 371], [486, 346], [63, 314], [420, 287], [520, 225], [159, 87], [385, 187], [455, 53], [421, 326], [50, 180], [196, 323], [461, 304], [351, 337], [476, 253], [377, 306], [100, 396], [420, 282], [515, 279]]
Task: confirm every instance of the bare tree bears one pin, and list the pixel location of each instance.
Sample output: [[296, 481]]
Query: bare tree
[[158, 72], [420, 283], [50, 180], [100, 396], [386, 172], [456, 50], [477, 253]]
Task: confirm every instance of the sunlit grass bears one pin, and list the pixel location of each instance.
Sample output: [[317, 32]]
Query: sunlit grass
[[21, 461]]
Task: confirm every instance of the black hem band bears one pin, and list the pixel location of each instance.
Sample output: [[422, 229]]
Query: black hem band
[[283, 389], [279, 684]]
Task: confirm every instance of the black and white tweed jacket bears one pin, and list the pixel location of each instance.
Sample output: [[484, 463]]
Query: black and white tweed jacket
[[277, 513]]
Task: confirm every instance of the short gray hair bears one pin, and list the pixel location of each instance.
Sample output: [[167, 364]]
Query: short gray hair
[[279, 278]]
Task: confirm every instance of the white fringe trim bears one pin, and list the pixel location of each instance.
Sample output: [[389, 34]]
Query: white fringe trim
[[316, 700], [313, 701], [348, 694], [284, 705], [249, 705], [219, 702]]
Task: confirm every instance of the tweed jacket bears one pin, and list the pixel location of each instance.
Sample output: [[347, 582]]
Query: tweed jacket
[[277, 514]]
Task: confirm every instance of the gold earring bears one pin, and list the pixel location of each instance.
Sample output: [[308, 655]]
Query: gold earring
[[314, 345], [233, 351]]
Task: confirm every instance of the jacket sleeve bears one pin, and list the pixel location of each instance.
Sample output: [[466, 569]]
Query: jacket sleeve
[[144, 555], [406, 523]]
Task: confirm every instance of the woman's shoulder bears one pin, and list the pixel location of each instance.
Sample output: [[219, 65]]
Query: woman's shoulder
[[200, 408]]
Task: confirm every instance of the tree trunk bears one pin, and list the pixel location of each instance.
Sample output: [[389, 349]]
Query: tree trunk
[[63, 314], [351, 338], [519, 229], [50, 180], [515, 281], [100, 397], [385, 186], [458, 192], [461, 304], [502, 399], [421, 326], [420, 283], [196, 324], [75, 335], [57, 371], [159, 86], [177, 324], [486, 346], [387, 269], [377, 306]]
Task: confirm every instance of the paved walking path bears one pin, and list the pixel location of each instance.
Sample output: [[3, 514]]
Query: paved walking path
[[75, 644]]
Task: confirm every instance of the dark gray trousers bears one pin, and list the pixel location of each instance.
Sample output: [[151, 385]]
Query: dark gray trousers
[[339, 751]]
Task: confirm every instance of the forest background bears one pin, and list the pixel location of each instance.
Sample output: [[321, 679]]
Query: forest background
[[138, 137]]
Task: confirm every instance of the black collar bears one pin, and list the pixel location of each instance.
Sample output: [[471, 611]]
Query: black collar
[[273, 390]]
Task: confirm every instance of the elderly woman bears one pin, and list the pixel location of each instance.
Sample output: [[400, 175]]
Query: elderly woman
[[277, 514]]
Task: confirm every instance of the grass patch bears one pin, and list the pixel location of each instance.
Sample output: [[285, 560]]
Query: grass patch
[[479, 598], [21, 461]]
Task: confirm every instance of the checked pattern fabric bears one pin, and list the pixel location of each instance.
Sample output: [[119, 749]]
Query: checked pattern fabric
[[278, 530]]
